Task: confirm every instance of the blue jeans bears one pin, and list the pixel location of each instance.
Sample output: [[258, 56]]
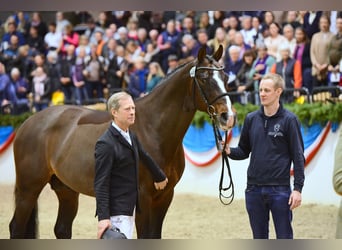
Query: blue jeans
[[260, 201]]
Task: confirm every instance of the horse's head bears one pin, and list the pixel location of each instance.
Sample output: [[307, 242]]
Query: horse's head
[[212, 82]]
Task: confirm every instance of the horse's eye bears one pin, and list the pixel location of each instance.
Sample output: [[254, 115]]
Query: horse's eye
[[204, 74]]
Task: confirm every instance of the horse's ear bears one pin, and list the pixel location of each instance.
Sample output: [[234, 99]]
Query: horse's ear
[[201, 54], [218, 53]]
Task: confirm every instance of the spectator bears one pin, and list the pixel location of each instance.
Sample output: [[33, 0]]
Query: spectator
[[53, 71], [152, 54], [108, 34], [190, 48], [21, 18], [65, 66], [247, 30], [36, 21], [91, 30], [23, 61], [94, 74], [132, 29], [258, 36], [69, 37], [168, 43], [78, 77], [11, 53], [137, 79], [288, 32], [132, 51], [99, 42], [22, 90], [117, 69], [290, 70], [240, 42], [172, 63], [153, 35], [61, 22], [35, 42], [302, 54], [38, 61], [12, 30], [261, 66], [154, 76], [219, 39], [84, 43], [102, 20], [7, 91], [20, 83], [244, 81], [123, 36], [218, 17], [108, 51], [114, 30], [205, 24], [234, 22], [335, 55], [269, 18], [188, 28], [41, 90], [311, 22], [292, 19], [53, 38], [142, 39], [273, 41], [202, 39], [232, 65], [319, 52]]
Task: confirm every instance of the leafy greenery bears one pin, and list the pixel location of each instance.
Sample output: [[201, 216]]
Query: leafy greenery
[[307, 113], [14, 120]]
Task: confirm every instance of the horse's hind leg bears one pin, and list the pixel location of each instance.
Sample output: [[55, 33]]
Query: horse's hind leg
[[67, 210], [24, 222]]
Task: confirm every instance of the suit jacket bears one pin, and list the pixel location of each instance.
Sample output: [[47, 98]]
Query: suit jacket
[[116, 173]]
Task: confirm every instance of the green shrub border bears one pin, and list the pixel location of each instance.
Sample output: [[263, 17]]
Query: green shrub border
[[307, 114]]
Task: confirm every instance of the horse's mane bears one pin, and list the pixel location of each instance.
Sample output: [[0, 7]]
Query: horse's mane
[[178, 68], [169, 75]]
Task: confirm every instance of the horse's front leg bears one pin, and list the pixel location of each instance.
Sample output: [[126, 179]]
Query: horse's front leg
[[149, 221]]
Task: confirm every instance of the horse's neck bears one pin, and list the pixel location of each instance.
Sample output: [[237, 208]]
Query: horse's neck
[[163, 109]]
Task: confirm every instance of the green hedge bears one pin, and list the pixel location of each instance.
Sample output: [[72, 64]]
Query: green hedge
[[307, 113], [13, 120]]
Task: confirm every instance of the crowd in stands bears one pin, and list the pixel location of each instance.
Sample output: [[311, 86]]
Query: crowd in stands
[[96, 56]]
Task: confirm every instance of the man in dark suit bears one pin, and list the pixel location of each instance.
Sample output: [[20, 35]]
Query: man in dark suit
[[117, 154]]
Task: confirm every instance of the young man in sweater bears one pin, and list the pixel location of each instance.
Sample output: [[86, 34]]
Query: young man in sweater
[[272, 138]]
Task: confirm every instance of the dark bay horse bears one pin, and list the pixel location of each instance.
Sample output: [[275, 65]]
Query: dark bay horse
[[56, 146]]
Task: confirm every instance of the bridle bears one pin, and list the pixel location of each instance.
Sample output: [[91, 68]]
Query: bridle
[[218, 138]]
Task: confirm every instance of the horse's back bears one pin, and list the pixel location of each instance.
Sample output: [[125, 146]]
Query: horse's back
[[53, 140]]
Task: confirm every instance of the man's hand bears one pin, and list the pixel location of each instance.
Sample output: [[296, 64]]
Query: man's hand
[[161, 185], [102, 226], [295, 199]]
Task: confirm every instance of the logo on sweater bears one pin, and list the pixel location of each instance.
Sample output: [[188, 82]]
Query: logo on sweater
[[276, 131]]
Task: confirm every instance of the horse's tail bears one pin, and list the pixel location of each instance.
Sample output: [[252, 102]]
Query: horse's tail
[[31, 227]]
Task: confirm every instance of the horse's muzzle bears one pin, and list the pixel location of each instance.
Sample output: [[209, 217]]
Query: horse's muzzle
[[226, 121]]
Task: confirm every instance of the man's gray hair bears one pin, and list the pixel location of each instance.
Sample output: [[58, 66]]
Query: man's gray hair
[[114, 101]]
